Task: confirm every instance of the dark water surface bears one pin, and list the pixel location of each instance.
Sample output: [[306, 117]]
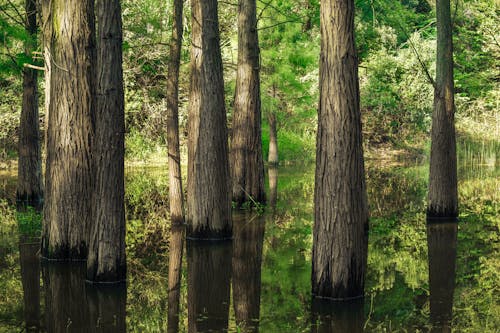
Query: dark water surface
[[421, 278]]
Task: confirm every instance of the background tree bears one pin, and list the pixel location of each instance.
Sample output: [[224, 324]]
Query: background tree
[[247, 166], [443, 192], [29, 170], [68, 181], [340, 237], [209, 202], [174, 153], [106, 260]]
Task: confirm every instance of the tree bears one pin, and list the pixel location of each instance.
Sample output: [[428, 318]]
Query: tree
[[247, 165], [29, 179], [106, 260], [68, 180], [443, 193], [328, 316], [174, 154], [340, 237], [209, 202], [176, 246]]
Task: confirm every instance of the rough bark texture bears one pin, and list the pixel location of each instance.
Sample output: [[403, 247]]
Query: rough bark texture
[[341, 213], [247, 165], [107, 308], [209, 277], [443, 195], [247, 261], [64, 288], [30, 278], [209, 201], [106, 260], [68, 181], [174, 154], [442, 246], [273, 187], [29, 179], [174, 277], [272, 157], [330, 316], [46, 40]]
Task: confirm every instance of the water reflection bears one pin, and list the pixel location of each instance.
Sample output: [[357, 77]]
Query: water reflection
[[72, 305], [176, 246], [248, 240], [209, 275], [30, 278], [332, 317], [442, 246]]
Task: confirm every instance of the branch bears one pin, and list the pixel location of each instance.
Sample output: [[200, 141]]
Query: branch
[[280, 23], [34, 67], [15, 9], [11, 17]]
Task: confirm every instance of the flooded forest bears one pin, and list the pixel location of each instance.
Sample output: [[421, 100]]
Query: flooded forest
[[249, 166]]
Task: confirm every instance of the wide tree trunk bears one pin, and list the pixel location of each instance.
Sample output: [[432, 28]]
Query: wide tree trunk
[[29, 179], [340, 239], [247, 165], [442, 246], [68, 180], [209, 201], [247, 262], [174, 154], [106, 260], [272, 157], [176, 246], [30, 278], [209, 277], [443, 195]]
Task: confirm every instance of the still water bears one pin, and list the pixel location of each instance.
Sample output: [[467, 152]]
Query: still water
[[421, 278]]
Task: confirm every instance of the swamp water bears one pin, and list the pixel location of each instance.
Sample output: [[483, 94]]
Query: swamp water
[[421, 278]]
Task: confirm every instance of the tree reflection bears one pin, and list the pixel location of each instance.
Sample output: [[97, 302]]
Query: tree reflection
[[337, 316], [30, 278], [174, 276]]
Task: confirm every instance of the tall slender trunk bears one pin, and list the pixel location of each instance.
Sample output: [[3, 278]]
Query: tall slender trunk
[[106, 261], [247, 262], [174, 154], [29, 180], [174, 276], [68, 181], [209, 278], [443, 193], [46, 29], [247, 165], [273, 187], [442, 246], [340, 240], [209, 183]]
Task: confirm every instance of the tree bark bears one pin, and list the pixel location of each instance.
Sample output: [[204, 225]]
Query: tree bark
[[273, 158], [68, 181], [174, 276], [442, 246], [247, 165], [106, 261], [247, 261], [29, 179], [209, 277], [340, 239], [46, 40], [209, 185], [30, 278], [273, 187], [443, 193], [174, 154]]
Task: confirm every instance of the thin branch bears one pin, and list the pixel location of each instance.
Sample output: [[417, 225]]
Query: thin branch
[[11, 17], [34, 67], [280, 23], [15, 9]]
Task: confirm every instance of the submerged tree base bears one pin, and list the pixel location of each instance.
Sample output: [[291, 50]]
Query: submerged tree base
[[434, 215], [63, 252]]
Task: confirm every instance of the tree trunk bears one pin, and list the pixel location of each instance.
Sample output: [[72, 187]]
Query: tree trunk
[[442, 246], [209, 201], [106, 260], [443, 197], [247, 261], [46, 40], [209, 277], [174, 154], [273, 187], [68, 181], [107, 308], [330, 316], [66, 307], [247, 165], [341, 213], [174, 276], [29, 180], [30, 278], [273, 140]]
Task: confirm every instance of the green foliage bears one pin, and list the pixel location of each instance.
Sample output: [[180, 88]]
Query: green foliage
[[29, 222]]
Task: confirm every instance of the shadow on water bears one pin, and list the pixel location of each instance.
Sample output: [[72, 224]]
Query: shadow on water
[[209, 277], [442, 246], [337, 317]]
